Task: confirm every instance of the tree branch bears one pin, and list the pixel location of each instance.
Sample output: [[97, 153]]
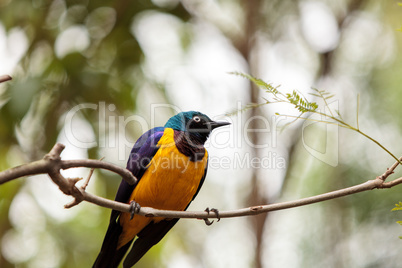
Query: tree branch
[[4, 78], [52, 163], [255, 210]]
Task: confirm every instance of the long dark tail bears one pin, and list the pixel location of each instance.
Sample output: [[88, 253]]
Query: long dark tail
[[148, 237], [110, 256]]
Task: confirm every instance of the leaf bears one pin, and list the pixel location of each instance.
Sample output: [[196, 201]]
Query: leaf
[[397, 206], [256, 81], [313, 94]]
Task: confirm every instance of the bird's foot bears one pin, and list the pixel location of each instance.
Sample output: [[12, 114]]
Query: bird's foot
[[134, 208], [216, 211]]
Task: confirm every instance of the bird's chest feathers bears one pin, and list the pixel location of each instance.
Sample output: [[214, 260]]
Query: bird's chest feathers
[[173, 176]]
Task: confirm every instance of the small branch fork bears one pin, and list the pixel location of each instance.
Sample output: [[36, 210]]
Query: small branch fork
[[52, 164]]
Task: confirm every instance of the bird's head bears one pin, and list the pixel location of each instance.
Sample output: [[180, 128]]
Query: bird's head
[[194, 123]]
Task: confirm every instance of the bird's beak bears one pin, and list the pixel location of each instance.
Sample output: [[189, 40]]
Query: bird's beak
[[214, 124]]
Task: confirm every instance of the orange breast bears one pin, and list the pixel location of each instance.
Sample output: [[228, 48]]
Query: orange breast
[[169, 183]]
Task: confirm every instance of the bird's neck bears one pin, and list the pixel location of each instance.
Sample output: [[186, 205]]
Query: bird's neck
[[190, 144]]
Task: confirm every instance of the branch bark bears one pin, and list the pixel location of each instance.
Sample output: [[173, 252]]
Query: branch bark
[[52, 163], [5, 78]]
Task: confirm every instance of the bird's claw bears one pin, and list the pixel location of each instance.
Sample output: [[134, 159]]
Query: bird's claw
[[134, 209], [216, 211]]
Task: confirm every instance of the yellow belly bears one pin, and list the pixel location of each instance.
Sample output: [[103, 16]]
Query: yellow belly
[[169, 183]]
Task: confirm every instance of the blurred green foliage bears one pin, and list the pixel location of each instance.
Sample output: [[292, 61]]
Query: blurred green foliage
[[76, 52]]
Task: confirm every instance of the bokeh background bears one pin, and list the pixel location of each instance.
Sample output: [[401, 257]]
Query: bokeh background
[[133, 64]]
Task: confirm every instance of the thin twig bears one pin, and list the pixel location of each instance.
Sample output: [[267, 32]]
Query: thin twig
[[5, 78], [86, 182], [91, 172]]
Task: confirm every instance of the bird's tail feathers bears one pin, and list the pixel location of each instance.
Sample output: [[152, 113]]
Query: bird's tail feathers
[[110, 256]]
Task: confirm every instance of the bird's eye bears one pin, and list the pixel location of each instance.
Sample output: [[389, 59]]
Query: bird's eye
[[197, 119]]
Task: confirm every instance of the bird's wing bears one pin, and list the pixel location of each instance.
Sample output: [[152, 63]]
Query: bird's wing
[[148, 237], [140, 156], [143, 151], [153, 233]]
